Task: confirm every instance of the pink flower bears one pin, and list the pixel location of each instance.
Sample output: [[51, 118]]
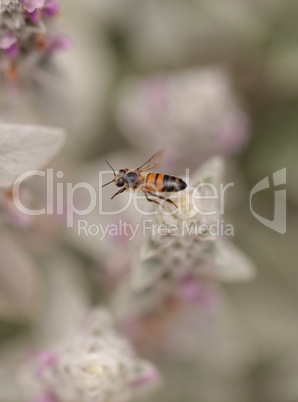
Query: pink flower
[[31, 46], [51, 7], [93, 364], [195, 291], [58, 43], [7, 40], [13, 51], [33, 16], [31, 5], [46, 361], [151, 377], [9, 43]]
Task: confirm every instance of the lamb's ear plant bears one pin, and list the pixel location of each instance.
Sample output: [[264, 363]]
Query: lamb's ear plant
[[194, 113], [187, 244], [180, 252], [22, 148], [94, 363], [28, 38], [26, 147]]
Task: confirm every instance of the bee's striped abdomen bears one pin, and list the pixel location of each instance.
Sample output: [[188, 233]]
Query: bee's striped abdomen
[[172, 183], [159, 182]]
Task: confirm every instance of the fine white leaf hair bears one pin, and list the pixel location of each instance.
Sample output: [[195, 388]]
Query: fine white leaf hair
[[26, 147]]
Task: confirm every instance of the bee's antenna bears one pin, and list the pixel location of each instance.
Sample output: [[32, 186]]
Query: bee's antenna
[[111, 168], [107, 183]]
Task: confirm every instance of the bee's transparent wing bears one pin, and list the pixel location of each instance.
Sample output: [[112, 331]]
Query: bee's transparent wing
[[153, 163]]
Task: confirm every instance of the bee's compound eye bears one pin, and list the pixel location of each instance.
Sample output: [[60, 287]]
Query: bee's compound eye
[[120, 183]]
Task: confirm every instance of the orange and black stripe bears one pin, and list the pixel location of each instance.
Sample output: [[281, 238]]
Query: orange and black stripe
[[163, 183], [147, 178]]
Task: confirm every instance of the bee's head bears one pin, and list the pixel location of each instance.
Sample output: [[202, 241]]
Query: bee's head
[[119, 178]]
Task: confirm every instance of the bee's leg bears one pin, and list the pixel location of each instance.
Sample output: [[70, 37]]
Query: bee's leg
[[149, 199], [119, 192], [162, 198]]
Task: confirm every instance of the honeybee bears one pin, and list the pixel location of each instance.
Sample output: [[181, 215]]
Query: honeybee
[[149, 183]]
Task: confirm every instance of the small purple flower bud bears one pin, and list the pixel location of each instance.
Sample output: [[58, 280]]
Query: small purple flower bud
[[192, 290], [34, 16], [149, 378], [31, 5], [59, 43], [13, 51], [7, 39], [51, 7], [46, 360]]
